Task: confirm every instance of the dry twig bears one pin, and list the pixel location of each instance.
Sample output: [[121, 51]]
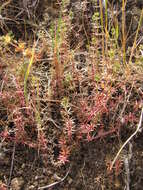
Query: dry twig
[[127, 141], [55, 183]]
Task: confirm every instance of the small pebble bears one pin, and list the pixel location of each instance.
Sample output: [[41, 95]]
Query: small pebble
[[17, 183]]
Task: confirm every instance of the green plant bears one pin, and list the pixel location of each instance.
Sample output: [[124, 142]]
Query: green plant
[[51, 95]]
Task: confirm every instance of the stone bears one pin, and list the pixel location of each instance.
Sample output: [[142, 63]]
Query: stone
[[17, 183]]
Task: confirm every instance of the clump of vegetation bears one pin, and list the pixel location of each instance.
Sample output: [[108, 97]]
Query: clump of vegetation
[[74, 95]]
